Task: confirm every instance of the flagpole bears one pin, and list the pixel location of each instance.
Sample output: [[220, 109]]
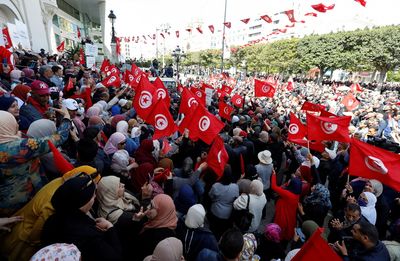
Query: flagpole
[[223, 38], [308, 145]]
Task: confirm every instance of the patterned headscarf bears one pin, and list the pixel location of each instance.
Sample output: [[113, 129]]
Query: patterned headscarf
[[249, 247], [319, 196], [58, 251]]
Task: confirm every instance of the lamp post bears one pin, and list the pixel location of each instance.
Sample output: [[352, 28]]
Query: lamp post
[[112, 17], [178, 54]]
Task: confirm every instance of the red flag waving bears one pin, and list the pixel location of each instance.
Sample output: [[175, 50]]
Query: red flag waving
[[162, 120], [362, 2], [314, 145], [227, 89], [296, 129], [61, 47], [161, 91], [137, 74], [225, 110], [217, 157], [112, 80], [144, 98], [356, 87], [237, 100], [69, 85], [289, 86], [371, 162], [81, 57], [309, 106], [7, 39], [316, 248], [350, 102], [245, 20], [188, 102], [328, 128], [311, 14], [105, 66], [290, 15], [128, 77], [200, 95], [266, 18], [211, 27], [263, 89]]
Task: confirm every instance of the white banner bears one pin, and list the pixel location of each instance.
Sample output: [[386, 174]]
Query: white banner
[[19, 34], [209, 93], [90, 61], [91, 50]]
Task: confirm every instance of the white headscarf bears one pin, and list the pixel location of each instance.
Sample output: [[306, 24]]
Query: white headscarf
[[41, 128], [122, 126], [369, 212], [8, 128], [195, 216]]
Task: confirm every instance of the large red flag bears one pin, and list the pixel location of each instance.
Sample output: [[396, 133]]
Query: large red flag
[[315, 249], [114, 70], [314, 145], [61, 47], [237, 100], [371, 162], [161, 91], [112, 80], [105, 66], [297, 130], [225, 110], [162, 120], [145, 97], [217, 156], [350, 102], [328, 128], [137, 74], [199, 95], [309, 106], [188, 102], [204, 125], [227, 89], [7, 39], [263, 89], [128, 77]]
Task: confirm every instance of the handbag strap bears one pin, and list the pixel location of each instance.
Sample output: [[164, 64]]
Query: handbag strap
[[248, 202]]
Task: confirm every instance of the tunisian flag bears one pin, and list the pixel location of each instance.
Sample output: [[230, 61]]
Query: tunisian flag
[[188, 102], [316, 248], [237, 100], [371, 162], [61, 47], [105, 66], [204, 125], [145, 97], [162, 120], [350, 102], [296, 129], [7, 39], [227, 89], [161, 91], [112, 80], [217, 157], [309, 106], [128, 77], [328, 128], [263, 89], [137, 74], [225, 110], [356, 87], [290, 15], [199, 94]]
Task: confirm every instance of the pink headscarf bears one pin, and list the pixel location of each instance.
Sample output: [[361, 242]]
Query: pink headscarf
[[273, 232], [112, 143]]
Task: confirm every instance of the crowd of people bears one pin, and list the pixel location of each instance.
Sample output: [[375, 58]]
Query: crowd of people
[[81, 177]]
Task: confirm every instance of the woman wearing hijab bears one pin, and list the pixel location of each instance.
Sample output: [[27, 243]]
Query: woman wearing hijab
[[270, 243], [20, 169], [256, 205], [59, 252], [132, 143], [316, 205], [21, 94], [24, 238], [162, 224], [115, 142], [185, 199], [169, 249], [286, 206], [96, 238], [194, 235], [10, 104], [144, 153], [141, 175], [367, 201]]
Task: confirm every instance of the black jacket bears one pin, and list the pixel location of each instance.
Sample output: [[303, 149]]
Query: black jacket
[[148, 240]]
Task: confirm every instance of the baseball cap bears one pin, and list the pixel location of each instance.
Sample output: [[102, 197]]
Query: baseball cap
[[71, 104], [40, 87]]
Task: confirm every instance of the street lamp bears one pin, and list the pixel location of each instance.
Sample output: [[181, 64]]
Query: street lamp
[[112, 17], [178, 54]]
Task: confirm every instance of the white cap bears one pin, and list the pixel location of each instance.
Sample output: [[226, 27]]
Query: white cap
[[71, 104], [235, 118], [122, 102]]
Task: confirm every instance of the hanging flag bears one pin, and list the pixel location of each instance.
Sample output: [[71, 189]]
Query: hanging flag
[[296, 129], [311, 14], [177, 34], [237, 100], [78, 33], [350, 102], [211, 27], [309, 106], [7, 39], [162, 35], [228, 24], [227, 89], [362, 2], [81, 57], [316, 248], [371, 162], [162, 120], [188, 102], [245, 20], [327, 128], [266, 18], [112, 80], [105, 66], [118, 45], [218, 157], [290, 15], [189, 30], [161, 91], [60, 48], [145, 97], [322, 8], [263, 89], [199, 29], [290, 26], [225, 110]]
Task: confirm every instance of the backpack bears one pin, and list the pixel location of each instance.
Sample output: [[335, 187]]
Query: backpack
[[242, 218]]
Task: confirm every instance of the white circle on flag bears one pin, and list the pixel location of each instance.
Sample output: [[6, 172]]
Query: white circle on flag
[[265, 88], [145, 99], [106, 68], [238, 101], [219, 156], [114, 70], [161, 94], [293, 128], [198, 93], [131, 78], [111, 80], [192, 101], [161, 122], [350, 102], [376, 165], [226, 110], [204, 123], [328, 127]]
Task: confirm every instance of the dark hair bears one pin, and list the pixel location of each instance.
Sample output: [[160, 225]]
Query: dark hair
[[353, 207], [231, 243], [369, 230], [55, 68], [91, 132], [87, 150], [227, 177]]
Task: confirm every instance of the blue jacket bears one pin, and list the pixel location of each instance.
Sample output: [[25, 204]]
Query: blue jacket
[[30, 113]]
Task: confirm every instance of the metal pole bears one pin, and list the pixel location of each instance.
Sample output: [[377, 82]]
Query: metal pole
[[177, 67], [157, 44], [223, 39]]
